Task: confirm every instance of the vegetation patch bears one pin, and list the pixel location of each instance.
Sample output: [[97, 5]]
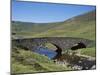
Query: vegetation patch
[[30, 62], [89, 51]]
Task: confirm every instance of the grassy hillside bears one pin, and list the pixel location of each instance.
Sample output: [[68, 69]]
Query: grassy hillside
[[80, 26], [30, 62]]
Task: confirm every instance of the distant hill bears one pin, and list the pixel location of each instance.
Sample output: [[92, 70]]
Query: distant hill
[[80, 26]]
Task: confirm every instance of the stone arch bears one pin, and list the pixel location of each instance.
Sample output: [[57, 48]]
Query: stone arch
[[59, 52], [57, 49], [50, 46]]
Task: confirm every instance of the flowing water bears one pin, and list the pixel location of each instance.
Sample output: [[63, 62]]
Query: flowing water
[[45, 51]]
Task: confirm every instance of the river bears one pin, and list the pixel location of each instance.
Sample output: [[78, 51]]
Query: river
[[45, 51]]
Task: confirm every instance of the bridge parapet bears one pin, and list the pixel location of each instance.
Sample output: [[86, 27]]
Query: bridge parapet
[[62, 42]]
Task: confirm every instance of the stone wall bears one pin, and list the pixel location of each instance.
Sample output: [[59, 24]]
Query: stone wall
[[62, 42]]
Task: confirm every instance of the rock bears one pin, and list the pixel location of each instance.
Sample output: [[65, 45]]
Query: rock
[[93, 67], [76, 67]]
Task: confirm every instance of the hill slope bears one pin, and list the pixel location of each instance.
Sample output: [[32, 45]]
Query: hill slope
[[82, 26]]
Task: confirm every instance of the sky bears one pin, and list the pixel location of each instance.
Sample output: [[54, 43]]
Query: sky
[[46, 12]]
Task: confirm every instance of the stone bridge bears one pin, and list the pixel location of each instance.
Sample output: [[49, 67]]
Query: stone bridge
[[62, 42]]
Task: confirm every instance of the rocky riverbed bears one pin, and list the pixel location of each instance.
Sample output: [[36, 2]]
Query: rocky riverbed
[[77, 62]]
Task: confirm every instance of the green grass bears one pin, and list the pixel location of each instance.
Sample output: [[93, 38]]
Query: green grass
[[89, 51], [27, 61]]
